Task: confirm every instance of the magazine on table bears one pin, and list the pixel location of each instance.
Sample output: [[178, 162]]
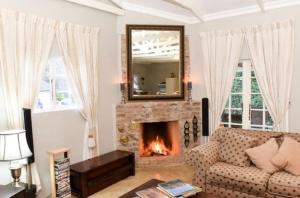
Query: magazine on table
[[175, 188], [171, 189], [185, 194], [151, 193]]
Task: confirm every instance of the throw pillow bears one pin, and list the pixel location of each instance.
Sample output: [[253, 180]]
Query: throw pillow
[[288, 156], [261, 155], [233, 147]]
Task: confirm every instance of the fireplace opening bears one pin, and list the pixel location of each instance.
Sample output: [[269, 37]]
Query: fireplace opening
[[159, 139]]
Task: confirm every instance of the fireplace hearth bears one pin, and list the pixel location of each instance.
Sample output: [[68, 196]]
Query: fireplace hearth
[[159, 139]]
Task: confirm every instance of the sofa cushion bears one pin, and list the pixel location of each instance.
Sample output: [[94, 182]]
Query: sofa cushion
[[284, 184], [261, 136], [233, 147], [261, 155], [295, 136], [288, 156], [244, 179]]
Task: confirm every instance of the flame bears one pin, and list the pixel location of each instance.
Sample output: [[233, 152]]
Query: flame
[[156, 146]]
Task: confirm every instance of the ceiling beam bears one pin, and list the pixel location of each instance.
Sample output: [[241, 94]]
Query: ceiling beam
[[159, 13], [261, 5], [118, 3], [99, 6], [188, 4]]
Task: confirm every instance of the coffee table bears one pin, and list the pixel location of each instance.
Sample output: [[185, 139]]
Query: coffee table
[[153, 183]]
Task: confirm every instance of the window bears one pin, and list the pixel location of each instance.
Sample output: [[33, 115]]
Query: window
[[245, 107], [55, 92]]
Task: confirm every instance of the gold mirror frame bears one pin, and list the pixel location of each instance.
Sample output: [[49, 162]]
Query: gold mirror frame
[[129, 29]]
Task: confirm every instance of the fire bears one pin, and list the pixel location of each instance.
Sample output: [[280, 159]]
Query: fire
[[156, 146]]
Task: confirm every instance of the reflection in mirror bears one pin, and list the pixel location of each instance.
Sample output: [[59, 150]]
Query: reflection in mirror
[[156, 67]]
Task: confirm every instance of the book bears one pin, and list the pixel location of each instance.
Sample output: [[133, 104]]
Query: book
[[62, 178], [185, 194], [151, 193], [175, 188]]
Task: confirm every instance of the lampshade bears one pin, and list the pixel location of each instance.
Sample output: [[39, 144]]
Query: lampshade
[[13, 145]]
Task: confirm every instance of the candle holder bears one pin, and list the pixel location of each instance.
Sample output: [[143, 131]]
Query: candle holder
[[122, 88], [189, 89]]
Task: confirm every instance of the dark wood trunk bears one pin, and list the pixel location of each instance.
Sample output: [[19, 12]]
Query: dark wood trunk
[[92, 175]]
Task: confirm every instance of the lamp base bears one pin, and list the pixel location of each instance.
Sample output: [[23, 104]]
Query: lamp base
[[15, 174]]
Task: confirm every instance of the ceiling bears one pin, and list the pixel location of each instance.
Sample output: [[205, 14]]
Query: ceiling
[[187, 11]]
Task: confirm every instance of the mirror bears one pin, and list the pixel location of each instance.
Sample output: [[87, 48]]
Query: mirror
[[155, 62]]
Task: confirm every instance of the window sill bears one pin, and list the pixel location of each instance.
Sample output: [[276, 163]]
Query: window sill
[[69, 108]]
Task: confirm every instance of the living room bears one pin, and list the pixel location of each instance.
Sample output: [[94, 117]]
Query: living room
[[64, 127]]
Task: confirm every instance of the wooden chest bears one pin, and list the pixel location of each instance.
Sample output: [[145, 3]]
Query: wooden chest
[[92, 175]]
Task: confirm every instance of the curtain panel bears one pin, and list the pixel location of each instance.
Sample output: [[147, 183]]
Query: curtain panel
[[79, 48], [25, 46], [272, 53], [271, 50], [220, 52]]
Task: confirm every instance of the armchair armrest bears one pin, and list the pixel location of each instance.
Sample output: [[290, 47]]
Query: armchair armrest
[[203, 155], [201, 158]]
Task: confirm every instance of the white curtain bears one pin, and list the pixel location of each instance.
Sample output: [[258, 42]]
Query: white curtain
[[220, 52], [272, 52], [25, 45], [79, 48]]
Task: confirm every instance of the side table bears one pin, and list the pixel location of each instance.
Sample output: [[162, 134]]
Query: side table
[[10, 191], [30, 191]]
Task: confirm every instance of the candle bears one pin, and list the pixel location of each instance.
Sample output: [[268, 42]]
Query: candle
[[189, 85], [122, 86]]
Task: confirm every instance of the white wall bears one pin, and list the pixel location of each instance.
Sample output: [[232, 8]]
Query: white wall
[[56, 129], [65, 128]]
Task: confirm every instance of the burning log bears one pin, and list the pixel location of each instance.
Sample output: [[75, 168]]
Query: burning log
[[156, 148]]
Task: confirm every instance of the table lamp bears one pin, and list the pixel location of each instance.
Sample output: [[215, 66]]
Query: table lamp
[[13, 146]]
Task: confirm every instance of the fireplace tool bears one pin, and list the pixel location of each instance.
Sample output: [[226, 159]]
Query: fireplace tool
[[186, 134], [195, 129]]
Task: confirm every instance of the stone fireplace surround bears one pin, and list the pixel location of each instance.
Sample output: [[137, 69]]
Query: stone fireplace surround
[[129, 117]]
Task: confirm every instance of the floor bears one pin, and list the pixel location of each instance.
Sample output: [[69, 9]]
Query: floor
[[182, 172]]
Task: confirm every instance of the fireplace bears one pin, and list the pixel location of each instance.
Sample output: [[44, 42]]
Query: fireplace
[[159, 139], [132, 124]]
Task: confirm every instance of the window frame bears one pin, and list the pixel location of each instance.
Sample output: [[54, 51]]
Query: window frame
[[53, 77], [246, 77]]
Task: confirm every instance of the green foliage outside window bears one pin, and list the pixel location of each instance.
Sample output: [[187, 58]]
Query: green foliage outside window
[[237, 87], [60, 96]]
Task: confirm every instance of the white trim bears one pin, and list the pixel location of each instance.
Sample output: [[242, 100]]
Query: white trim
[[118, 3], [55, 109], [99, 6], [189, 7], [280, 4], [261, 5], [246, 98], [160, 13], [231, 13]]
